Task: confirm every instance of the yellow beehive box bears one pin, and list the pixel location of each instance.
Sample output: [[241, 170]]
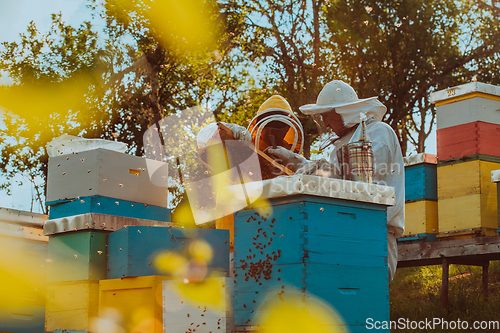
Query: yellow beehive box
[[468, 212], [71, 305], [421, 217], [466, 178], [133, 304]]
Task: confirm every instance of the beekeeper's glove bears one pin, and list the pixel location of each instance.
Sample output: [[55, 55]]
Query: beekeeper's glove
[[286, 157], [239, 132]]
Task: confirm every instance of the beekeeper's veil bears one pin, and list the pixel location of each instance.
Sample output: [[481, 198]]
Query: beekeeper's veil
[[275, 117], [340, 96]]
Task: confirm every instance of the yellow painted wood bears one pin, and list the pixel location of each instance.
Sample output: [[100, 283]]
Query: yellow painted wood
[[467, 212], [467, 178], [138, 300], [71, 305], [467, 96], [421, 217]]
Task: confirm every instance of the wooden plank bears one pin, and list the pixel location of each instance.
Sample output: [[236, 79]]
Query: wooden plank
[[478, 249], [421, 217]]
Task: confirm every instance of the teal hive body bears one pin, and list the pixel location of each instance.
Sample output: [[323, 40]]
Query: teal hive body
[[421, 182], [132, 249], [107, 205], [333, 249], [77, 255]]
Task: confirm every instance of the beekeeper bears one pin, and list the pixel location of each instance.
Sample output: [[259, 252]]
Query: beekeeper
[[341, 109]]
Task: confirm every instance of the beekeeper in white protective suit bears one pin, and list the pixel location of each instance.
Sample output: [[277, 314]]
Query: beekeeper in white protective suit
[[340, 109]]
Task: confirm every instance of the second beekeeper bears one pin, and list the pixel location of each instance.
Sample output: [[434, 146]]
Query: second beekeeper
[[341, 110]]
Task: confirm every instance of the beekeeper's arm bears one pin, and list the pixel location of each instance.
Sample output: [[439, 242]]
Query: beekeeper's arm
[[239, 132], [286, 157], [211, 131]]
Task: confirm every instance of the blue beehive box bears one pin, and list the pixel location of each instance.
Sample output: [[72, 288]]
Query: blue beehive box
[[421, 177], [132, 249], [77, 255], [334, 249], [106, 205]]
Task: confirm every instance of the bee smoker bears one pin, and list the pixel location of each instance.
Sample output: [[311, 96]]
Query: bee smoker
[[357, 156]]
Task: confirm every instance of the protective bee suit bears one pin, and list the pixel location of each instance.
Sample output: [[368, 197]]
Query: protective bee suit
[[340, 98]]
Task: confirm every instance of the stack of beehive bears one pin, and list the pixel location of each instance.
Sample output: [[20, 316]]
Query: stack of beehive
[[421, 206], [322, 238], [23, 249], [468, 132], [90, 194], [108, 222], [133, 282]]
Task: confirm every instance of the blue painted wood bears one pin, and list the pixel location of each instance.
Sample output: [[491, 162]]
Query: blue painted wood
[[78, 255], [253, 293], [107, 205], [22, 318], [351, 290], [132, 249], [417, 238], [330, 248], [421, 182]]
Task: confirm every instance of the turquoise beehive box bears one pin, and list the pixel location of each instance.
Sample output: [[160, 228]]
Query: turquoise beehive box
[[325, 238]]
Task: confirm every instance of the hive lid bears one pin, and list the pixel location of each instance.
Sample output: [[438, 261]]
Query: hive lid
[[472, 87], [325, 187], [95, 221], [420, 158]]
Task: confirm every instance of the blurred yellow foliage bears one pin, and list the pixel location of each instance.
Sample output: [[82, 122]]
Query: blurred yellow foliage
[[210, 292], [37, 101], [170, 263], [188, 23], [294, 314], [22, 280]]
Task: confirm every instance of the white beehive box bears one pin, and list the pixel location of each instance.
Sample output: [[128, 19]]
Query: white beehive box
[[183, 315], [470, 102], [107, 173]]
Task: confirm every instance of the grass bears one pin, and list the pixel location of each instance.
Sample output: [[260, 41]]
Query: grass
[[415, 294]]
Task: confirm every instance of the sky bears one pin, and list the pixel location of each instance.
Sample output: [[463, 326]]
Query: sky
[[15, 16]]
